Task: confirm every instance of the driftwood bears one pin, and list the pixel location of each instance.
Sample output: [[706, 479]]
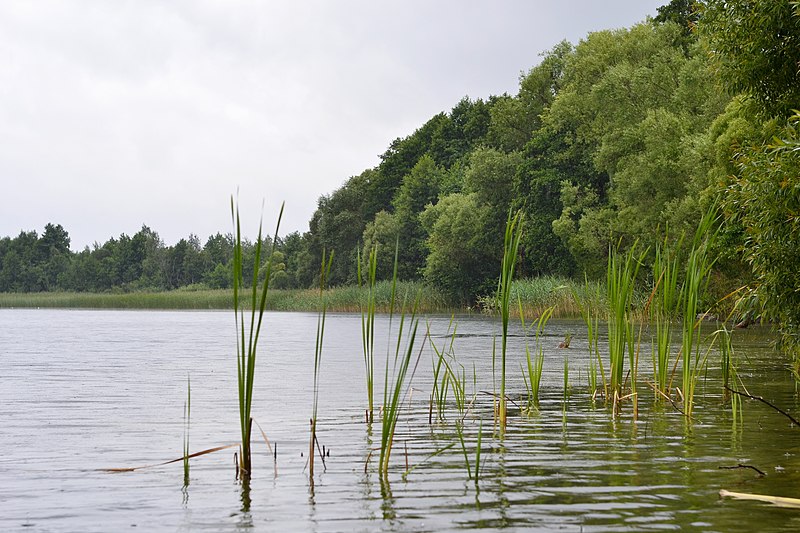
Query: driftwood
[[791, 503]]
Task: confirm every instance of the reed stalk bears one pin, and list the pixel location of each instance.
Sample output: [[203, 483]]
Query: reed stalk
[[729, 373], [325, 270], [397, 382], [663, 310], [368, 325], [620, 279], [511, 240], [449, 378], [590, 315], [698, 269], [533, 377], [248, 321], [187, 415]]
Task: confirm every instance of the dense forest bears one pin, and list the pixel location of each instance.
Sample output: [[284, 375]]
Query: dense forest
[[628, 136]]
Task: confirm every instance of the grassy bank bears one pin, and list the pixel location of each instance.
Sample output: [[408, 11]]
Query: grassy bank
[[340, 299], [536, 295]]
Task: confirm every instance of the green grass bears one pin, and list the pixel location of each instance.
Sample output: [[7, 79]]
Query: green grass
[[698, 271]]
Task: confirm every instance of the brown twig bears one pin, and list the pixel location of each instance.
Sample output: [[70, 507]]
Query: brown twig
[[740, 465], [760, 399]]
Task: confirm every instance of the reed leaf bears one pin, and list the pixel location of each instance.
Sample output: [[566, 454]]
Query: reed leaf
[[248, 328], [511, 240]]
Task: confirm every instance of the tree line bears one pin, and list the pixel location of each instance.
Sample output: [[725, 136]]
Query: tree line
[[33, 263], [628, 136]]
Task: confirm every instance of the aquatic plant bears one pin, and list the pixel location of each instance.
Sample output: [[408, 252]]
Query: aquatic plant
[[325, 270], [621, 275], [368, 325], [729, 373], [663, 309], [248, 325], [533, 376], [473, 475], [448, 374], [588, 307], [187, 414], [397, 381], [511, 240], [698, 269]]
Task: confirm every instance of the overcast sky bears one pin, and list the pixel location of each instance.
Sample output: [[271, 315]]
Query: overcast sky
[[118, 114]]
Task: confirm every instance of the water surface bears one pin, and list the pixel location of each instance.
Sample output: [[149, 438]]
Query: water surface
[[84, 390]]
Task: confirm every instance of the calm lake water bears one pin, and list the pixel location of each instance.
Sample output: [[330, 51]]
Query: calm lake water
[[85, 390]]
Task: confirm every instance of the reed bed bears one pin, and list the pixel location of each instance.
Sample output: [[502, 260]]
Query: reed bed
[[340, 299]]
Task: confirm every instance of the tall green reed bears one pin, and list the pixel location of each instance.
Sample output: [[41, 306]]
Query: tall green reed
[[187, 415], [368, 325], [397, 382], [511, 240], [729, 373], [620, 280], [698, 270], [248, 320], [325, 270], [664, 301]]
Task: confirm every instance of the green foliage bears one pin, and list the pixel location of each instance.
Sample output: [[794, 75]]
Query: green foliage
[[764, 199], [419, 189], [382, 233], [462, 249], [755, 47], [635, 107]]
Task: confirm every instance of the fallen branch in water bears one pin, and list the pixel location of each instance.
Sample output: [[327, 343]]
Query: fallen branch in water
[[740, 465], [760, 399]]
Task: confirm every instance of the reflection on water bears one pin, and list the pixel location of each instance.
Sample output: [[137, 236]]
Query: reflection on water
[[82, 390]]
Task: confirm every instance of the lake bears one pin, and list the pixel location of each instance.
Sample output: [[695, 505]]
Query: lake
[[84, 390]]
